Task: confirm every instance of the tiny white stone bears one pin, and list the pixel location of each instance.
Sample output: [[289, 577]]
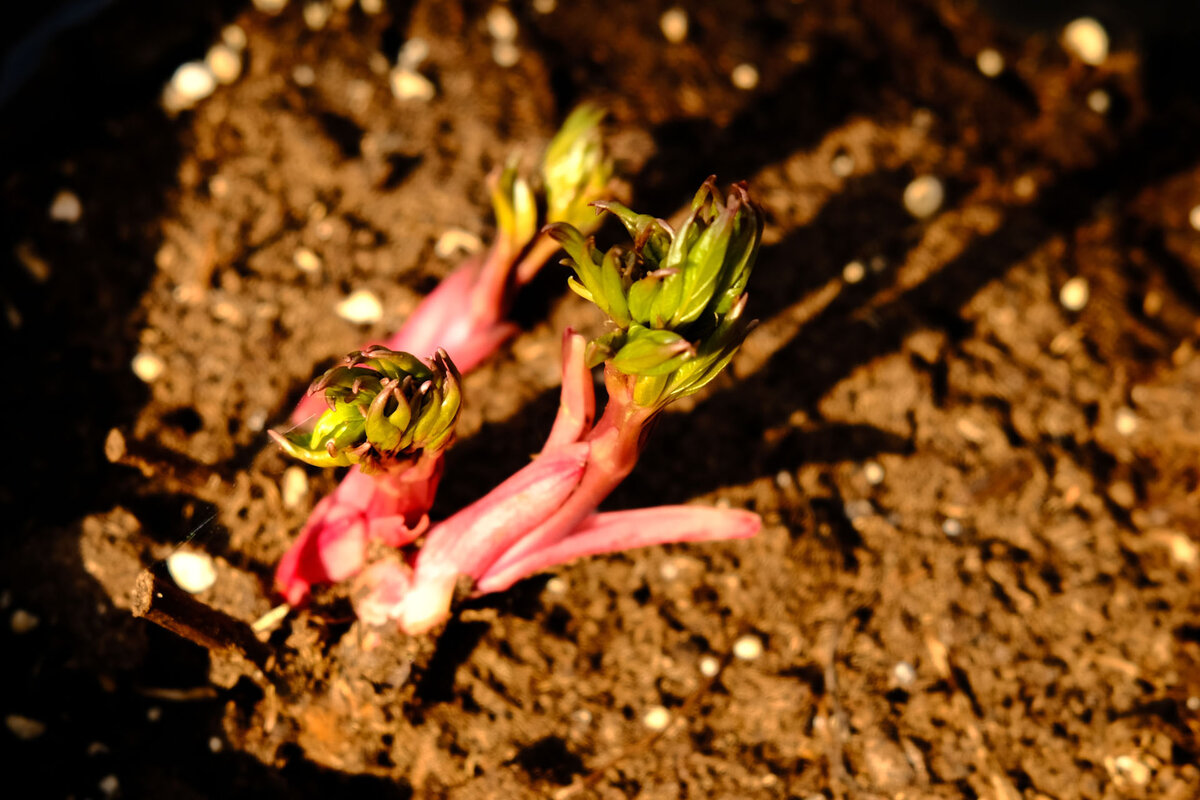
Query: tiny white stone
[[148, 367], [581, 716], [505, 54], [234, 36], [748, 647], [923, 196], [316, 15], [873, 472], [257, 420], [842, 165], [744, 76], [1183, 550], [154, 713], [304, 75], [1099, 101], [362, 306], [224, 62], [1087, 40], [952, 527], [1194, 218], [455, 240], [1074, 293], [545, 6], [295, 486], [904, 673], [215, 744], [24, 728], [556, 586], [1193, 703], [1135, 770], [371, 7], [668, 570], [990, 62], [193, 82], [854, 272], [709, 666], [66, 207], [306, 260], [412, 53], [674, 25], [656, 718], [1126, 421], [785, 481], [409, 84], [109, 785], [270, 6], [501, 24], [192, 572]]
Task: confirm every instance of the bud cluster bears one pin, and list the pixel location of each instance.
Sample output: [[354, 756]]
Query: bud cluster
[[385, 409], [676, 297]]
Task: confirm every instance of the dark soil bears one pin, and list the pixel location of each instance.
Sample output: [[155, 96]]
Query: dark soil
[[1010, 612]]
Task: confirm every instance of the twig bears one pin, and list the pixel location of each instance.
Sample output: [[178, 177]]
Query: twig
[[166, 605]]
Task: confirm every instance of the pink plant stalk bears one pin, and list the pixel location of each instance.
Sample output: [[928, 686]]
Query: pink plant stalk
[[467, 314], [677, 301], [390, 418]]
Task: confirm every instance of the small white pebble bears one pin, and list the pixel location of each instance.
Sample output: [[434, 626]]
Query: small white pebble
[[304, 75], [748, 647], [709, 666], [674, 25], [785, 481], [1194, 218], [192, 572], [371, 7], [306, 260], [148, 367], [455, 240], [904, 673], [409, 84], [316, 15], [154, 713], [556, 586], [873, 472], [1126, 421], [295, 486], [1183, 550], [218, 186], [257, 420], [1193, 703], [109, 785], [744, 76], [501, 24], [854, 272], [66, 207], [270, 6], [362, 306], [545, 6], [1099, 101], [1087, 40], [1025, 186], [215, 744], [505, 54], [24, 728], [656, 718], [952, 527], [668, 570], [1135, 770], [989, 62], [224, 62], [412, 53], [842, 165], [923, 196], [193, 82], [1074, 294], [234, 36]]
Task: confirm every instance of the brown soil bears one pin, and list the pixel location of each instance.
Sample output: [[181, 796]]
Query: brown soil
[[977, 573]]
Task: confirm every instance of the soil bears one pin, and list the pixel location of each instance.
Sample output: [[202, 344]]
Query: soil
[[977, 574]]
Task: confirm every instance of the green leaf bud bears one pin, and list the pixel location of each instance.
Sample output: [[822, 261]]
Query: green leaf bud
[[576, 170]]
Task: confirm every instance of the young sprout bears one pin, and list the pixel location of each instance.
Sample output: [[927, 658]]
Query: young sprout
[[466, 315], [676, 301], [390, 416]]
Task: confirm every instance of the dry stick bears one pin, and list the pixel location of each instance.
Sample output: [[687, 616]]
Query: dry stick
[[166, 605]]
